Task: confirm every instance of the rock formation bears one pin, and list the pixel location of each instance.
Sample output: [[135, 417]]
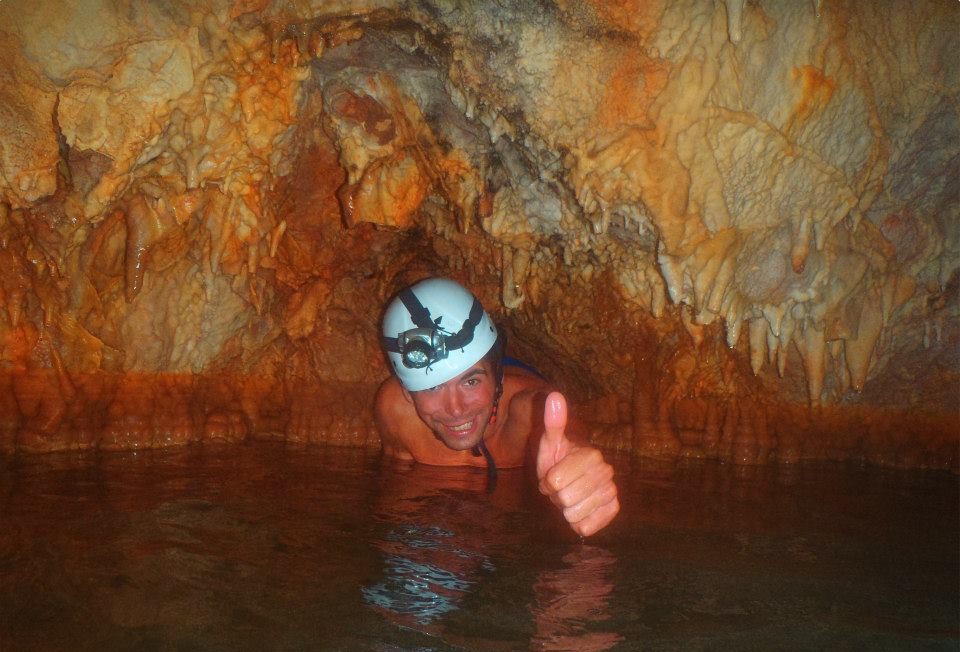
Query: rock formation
[[727, 229]]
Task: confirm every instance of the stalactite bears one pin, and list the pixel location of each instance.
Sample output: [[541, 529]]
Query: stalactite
[[858, 351], [189, 191]]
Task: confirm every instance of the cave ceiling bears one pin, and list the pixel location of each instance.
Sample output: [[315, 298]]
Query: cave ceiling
[[728, 229]]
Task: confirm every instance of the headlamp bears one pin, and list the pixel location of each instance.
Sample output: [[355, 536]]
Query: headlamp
[[421, 347], [428, 343]]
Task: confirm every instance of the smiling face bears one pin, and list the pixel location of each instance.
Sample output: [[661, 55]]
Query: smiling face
[[459, 410]]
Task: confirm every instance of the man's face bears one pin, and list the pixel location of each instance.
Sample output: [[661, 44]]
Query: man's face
[[458, 410]]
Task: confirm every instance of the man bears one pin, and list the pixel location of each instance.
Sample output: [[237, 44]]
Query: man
[[453, 401]]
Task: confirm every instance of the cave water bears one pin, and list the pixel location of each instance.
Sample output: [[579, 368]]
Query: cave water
[[729, 231]]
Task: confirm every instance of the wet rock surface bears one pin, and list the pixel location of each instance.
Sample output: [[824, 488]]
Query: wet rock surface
[[727, 230]]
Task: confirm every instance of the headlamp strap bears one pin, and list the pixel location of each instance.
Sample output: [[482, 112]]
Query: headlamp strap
[[421, 319], [465, 336], [390, 344], [419, 314]]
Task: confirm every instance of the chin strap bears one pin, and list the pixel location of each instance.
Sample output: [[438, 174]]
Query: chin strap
[[481, 449]]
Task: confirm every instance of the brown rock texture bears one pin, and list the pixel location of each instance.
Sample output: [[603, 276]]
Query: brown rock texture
[[727, 230]]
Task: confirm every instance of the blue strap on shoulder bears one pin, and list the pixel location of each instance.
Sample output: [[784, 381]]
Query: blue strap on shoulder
[[513, 362]]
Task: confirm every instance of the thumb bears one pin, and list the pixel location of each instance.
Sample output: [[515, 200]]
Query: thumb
[[553, 442]]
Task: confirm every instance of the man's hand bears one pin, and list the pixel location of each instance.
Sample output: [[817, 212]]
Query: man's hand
[[575, 477]]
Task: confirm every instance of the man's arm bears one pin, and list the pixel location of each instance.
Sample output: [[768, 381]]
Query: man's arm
[[573, 474]]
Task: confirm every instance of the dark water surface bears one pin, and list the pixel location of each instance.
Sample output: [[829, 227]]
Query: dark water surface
[[264, 547]]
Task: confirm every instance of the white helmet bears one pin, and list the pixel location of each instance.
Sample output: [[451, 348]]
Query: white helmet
[[434, 331]]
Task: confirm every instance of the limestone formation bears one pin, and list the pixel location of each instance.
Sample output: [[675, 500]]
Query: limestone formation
[[727, 229]]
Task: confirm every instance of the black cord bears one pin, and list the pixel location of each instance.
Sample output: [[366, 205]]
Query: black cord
[[481, 449]]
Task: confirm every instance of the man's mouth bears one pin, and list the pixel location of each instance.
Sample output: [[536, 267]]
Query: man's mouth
[[463, 427]]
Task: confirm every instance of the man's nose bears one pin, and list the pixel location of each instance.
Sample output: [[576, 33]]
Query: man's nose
[[454, 401]]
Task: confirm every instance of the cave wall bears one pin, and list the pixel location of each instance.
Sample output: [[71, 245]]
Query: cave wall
[[726, 229]]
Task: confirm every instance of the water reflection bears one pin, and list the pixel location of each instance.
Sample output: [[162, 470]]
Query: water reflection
[[448, 537], [425, 574], [432, 555], [571, 600]]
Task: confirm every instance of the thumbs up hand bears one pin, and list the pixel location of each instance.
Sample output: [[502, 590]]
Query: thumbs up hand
[[575, 477]]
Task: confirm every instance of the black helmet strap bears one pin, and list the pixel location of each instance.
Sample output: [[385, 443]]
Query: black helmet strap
[[421, 319]]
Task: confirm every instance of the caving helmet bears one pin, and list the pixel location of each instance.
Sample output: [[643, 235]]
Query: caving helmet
[[433, 331]]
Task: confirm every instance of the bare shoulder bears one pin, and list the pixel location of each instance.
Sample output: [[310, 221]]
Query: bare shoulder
[[393, 414], [389, 397], [524, 387], [526, 397], [523, 399]]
